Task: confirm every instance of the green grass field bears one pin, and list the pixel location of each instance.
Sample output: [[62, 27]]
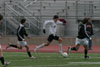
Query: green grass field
[[51, 60]]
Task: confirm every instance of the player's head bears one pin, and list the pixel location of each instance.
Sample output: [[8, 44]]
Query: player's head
[[55, 18], [23, 21], [1, 17], [89, 19], [85, 20]]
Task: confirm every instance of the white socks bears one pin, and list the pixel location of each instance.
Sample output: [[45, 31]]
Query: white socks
[[60, 49], [40, 46]]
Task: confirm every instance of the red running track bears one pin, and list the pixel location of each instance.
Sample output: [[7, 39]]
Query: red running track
[[51, 49]]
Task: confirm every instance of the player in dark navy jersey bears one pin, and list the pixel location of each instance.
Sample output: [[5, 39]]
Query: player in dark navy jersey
[[82, 39], [21, 32]]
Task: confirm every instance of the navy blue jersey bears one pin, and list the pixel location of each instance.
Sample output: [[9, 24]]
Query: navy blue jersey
[[21, 32], [89, 28], [82, 33]]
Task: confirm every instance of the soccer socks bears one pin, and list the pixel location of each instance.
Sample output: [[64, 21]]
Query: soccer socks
[[40, 46], [15, 46], [29, 54], [85, 52], [60, 48], [74, 49], [2, 60]]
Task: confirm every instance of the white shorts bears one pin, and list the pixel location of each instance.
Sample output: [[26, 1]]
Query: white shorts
[[22, 43], [83, 42]]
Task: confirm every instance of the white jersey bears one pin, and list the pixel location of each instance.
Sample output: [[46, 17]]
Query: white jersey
[[52, 26]]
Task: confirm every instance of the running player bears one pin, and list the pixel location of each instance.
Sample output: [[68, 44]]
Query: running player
[[52, 33], [82, 39], [1, 53], [21, 32]]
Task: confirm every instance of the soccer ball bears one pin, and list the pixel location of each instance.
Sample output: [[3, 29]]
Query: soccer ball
[[65, 54]]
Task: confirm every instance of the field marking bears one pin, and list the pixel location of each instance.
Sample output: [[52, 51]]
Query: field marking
[[22, 66], [45, 65], [84, 63], [60, 65]]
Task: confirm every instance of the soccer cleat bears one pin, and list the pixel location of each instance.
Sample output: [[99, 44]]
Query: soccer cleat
[[86, 57], [6, 64], [32, 57], [69, 49]]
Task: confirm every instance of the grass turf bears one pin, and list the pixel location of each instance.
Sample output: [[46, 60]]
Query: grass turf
[[21, 59]]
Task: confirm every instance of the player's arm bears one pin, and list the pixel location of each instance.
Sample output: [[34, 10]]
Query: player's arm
[[92, 32], [85, 31], [60, 22], [25, 33], [44, 25]]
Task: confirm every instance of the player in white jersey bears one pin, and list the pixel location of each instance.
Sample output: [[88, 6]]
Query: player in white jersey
[[1, 53], [52, 33]]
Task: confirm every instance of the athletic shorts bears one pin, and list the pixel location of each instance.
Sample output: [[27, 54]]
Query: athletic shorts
[[52, 37], [83, 42], [22, 43]]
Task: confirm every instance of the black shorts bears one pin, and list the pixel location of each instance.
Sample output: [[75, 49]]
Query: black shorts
[[52, 37]]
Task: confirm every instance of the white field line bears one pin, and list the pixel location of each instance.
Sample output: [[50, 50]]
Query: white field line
[[23, 66], [60, 65], [83, 63], [24, 60]]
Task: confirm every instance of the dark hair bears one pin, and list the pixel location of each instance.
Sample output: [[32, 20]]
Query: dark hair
[[22, 21], [85, 20], [55, 17], [1, 17], [89, 18]]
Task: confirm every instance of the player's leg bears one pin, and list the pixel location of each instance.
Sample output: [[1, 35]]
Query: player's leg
[[77, 45], [2, 58], [60, 44], [86, 52], [85, 44], [75, 48], [50, 39], [41, 46], [12, 45], [28, 52]]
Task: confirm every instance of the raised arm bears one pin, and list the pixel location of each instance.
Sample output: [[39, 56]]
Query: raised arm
[[59, 22]]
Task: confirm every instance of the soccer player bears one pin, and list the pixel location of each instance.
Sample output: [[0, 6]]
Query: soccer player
[[52, 33], [21, 32], [1, 53], [82, 39], [90, 32]]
